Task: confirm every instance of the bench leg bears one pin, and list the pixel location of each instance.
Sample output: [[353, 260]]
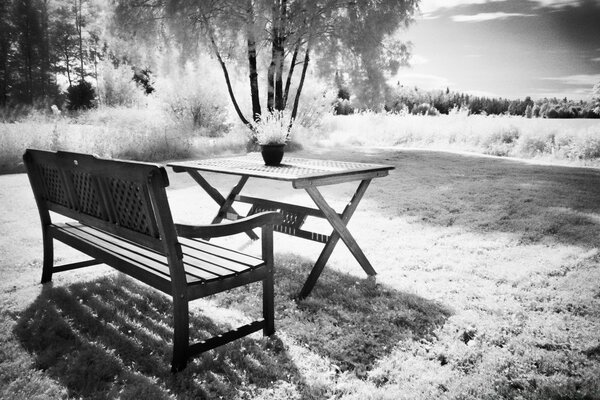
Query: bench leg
[[268, 282], [48, 262], [181, 334]]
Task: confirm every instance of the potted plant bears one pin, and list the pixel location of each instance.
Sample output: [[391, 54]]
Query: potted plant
[[272, 131]]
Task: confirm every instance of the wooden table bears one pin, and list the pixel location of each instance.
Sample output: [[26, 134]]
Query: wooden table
[[303, 173]]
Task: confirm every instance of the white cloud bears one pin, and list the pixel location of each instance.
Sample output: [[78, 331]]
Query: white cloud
[[576, 80], [557, 3], [596, 59], [428, 7], [487, 16]]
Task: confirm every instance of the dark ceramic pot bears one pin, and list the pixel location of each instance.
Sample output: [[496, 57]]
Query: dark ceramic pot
[[272, 154]]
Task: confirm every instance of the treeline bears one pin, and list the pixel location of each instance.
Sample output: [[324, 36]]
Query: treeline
[[414, 101], [41, 40]]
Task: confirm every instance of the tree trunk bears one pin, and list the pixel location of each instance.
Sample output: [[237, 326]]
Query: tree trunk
[[274, 54], [280, 48], [301, 83], [28, 60], [79, 22], [254, 93], [45, 50], [226, 75], [288, 81], [68, 64]]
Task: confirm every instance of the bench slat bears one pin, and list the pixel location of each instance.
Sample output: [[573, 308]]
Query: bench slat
[[192, 274], [211, 248], [203, 262]]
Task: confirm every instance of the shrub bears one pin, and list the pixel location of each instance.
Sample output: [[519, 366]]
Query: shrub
[[314, 105], [190, 97], [81, 96], [424, 109], [502, 141], [343, 107], [536, 144], [116, 86], [552, 113]]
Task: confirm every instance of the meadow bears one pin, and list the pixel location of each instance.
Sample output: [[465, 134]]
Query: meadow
[[487, 285], [152, 134]]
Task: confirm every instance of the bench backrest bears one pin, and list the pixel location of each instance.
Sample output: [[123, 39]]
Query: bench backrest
[[125, 198]]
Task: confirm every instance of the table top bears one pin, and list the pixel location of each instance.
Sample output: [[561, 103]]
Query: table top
[[301, 172]]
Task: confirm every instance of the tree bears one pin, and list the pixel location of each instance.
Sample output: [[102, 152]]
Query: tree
[[596, 92], [353, 36]]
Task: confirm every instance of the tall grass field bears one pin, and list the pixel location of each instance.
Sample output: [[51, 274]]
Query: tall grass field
[[152, 134]]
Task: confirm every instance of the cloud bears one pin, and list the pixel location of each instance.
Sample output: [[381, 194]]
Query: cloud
[[576, 80], [596, 59], [557, 3], [430, 6], [488, 16]]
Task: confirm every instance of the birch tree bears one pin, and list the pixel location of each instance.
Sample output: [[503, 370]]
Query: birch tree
[[355, 37]]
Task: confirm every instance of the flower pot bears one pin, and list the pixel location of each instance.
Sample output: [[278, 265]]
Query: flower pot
[[272, 154]]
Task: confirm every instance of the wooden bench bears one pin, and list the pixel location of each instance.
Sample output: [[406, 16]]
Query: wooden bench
[[118, 214]]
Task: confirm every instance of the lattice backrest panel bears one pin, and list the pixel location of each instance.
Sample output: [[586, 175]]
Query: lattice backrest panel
[[54, 188], [131, 206], [88, 197], [115, 196]]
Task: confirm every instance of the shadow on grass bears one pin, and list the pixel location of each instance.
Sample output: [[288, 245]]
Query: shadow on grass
[[111, 337]]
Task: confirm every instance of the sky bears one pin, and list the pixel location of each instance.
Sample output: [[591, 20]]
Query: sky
[[505, 48]]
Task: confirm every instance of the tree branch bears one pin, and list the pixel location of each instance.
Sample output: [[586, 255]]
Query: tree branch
[[226, 75], [301, 83]]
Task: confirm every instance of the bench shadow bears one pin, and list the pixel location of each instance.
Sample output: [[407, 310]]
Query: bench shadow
[[110, 337]]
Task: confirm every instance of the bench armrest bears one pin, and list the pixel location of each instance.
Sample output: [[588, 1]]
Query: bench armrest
[[229, 228]]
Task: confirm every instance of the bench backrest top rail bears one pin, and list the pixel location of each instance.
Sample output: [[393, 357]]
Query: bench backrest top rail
[[124, 198]]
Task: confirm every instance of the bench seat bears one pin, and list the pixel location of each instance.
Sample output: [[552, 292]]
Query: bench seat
[[203, 262]]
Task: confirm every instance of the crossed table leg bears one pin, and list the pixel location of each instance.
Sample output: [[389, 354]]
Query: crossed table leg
[[339, 223]]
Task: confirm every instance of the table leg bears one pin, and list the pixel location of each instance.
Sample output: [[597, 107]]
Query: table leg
[[225, 204], [340, 231]]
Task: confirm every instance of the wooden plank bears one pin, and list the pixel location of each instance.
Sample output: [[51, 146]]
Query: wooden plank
[[276, 205], [75, 265], [138, 256], [226, 337], [141, 273], [226, 205], [221, 266], [301, 233], [335, 179], [211, 248]]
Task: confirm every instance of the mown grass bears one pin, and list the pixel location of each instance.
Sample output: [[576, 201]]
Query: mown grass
[[487, 288]]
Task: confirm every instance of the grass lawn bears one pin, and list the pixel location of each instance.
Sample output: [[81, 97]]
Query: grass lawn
[[488, 287]]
